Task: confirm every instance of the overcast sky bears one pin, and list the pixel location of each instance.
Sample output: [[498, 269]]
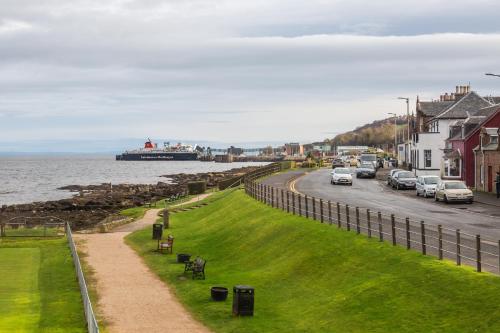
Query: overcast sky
[[232, 70]]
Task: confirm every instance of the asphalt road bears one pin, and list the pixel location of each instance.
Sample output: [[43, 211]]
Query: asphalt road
[[473, 218]]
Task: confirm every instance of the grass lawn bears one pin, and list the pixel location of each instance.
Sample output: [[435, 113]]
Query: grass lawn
[[312, 277], [38, 287]]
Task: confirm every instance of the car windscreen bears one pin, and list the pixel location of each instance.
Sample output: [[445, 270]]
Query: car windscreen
[[431, 180], [367, 166], [405, 175], [342, 171], [455, 186]]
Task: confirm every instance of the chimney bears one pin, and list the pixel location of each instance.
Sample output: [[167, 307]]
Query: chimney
[[452, 97], [457, 90], [446, 97]]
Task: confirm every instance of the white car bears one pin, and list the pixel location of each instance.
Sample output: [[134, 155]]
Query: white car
[[453, 190], [341, 176], [426, 185]]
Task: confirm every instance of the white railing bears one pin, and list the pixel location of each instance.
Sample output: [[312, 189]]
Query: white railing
[[92, 326]]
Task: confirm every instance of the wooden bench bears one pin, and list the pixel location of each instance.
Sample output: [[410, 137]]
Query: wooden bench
[[196, 266], [168, 246]]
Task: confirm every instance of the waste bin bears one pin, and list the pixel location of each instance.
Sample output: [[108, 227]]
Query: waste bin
[[157, 231], [243, 300]]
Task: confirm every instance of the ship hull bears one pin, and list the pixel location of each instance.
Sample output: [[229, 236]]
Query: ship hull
[[157, 157]]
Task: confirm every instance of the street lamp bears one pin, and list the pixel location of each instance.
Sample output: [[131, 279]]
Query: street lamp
[[491, 74], [407, 115], [395, 131]]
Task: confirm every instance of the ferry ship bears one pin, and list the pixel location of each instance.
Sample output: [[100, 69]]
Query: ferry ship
[[151, 152]]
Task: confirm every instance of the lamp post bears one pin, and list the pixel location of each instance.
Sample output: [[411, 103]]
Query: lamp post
[[395, 131], [407, 145]]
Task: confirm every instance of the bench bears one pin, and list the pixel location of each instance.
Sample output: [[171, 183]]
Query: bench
[[168, 245], [196, 266]]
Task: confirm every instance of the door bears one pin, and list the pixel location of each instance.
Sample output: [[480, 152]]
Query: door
[[490, 178]]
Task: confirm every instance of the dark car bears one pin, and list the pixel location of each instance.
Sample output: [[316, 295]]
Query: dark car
[[391, 173], [337, 163], [366, 170], [403, 180]]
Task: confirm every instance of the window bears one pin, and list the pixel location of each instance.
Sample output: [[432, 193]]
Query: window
[[452, 167], [427, 158], [493, 139]]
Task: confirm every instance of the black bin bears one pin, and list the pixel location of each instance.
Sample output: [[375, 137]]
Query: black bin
[[243, 300], [157, 231]]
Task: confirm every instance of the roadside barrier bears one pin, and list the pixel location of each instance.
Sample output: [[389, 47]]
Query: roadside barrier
[[430, 239], [92, 326]]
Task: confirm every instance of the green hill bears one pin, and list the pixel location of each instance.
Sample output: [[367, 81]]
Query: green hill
[[312, 277], [377, 133]]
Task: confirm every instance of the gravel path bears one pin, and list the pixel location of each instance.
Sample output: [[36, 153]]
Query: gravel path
[[131, 297]]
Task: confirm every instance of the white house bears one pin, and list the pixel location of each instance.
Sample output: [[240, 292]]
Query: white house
[[433, 127]]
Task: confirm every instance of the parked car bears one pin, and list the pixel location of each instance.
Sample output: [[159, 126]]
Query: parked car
[[403, 180], [341, 176], [453, 190], [366, 170], [337, 163], [426, 185], [391, 173]]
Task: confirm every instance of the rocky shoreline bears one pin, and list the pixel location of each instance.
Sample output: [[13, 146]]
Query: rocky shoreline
[[94, 204]]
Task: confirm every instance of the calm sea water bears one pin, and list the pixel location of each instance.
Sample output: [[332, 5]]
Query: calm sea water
[[25, 179]]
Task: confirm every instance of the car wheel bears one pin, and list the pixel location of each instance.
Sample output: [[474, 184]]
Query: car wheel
[[445, 198], [471, 201], [331, 182], [436, 198], [398, 187], [425, 194]]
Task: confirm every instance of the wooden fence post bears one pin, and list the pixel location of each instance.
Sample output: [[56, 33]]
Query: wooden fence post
[[358, 227], [478, 253], [321, 210], [330, 212], [459, 258], [348, 220], [380, 232], [307, 207], [282, 199], [440, 241], [408, 241], [393, 229], [369, 223], [300, 204], [314, 207], [422, 231], [287, 201], [339, 221], [293, 203]]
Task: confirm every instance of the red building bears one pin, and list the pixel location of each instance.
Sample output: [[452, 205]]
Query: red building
[[459, 160]]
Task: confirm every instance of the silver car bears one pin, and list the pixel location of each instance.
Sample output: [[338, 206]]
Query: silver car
[[426, 185]]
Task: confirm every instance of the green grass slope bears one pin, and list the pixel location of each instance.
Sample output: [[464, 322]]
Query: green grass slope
[[311, 277], [38, 287]]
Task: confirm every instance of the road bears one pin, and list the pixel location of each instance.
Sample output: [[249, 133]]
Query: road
[[371, 193]]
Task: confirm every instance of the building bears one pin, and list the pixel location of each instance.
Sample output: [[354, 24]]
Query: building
[[458, 157], [294, 149], [432, 128], [487, 159]]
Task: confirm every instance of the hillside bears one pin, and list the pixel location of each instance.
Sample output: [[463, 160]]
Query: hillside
[[313, 277], [377, 133]]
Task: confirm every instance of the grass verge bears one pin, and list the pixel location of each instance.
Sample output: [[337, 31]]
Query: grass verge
[[39, 291], [312, 277]]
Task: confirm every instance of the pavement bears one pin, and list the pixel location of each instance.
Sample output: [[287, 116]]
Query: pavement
[[131, 297], [482, 217]]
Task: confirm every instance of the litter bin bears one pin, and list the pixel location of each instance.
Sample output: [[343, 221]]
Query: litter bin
[[243, 300], [157, 231]]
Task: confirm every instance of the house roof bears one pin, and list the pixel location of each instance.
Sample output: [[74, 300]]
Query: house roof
[[464, 107], [431, 109], [473, 123]]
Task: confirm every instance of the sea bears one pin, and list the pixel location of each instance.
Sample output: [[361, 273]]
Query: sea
[[33, 178]]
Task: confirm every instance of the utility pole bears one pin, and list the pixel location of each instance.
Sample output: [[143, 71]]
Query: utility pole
[[408, 144], [395, 131]]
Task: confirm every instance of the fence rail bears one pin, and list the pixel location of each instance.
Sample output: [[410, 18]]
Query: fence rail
[[435, 240], [92, 326]]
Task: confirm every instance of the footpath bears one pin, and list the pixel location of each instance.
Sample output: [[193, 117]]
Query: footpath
[[131, 297]]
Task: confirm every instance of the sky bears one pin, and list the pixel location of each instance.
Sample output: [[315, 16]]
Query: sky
[[231, 71]]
